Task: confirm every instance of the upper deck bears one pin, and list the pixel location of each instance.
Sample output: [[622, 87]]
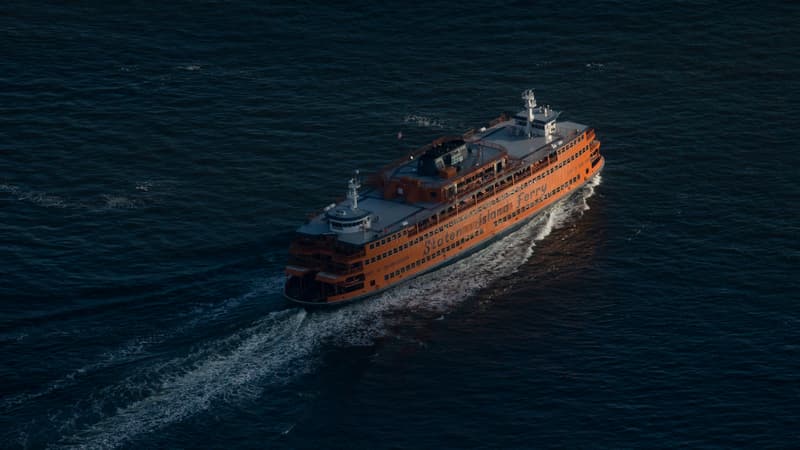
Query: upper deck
[[511, 136], [433, 178]]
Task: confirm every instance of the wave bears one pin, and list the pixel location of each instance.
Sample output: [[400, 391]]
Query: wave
[[36, 197], [216, 371], [424, 121], [141, 195], [141, 347], [121, 202], [284, 345]]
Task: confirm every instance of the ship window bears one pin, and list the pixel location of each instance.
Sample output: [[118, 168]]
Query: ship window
[[385, 277], [371, 246], [383, 241]]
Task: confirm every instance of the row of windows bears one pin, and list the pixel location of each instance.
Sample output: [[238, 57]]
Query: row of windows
[[556, 167], [385, 240], [573, 157], [571, 144], [443, 251], [340, 225], [465, 183], [532, 203], [386, 254], [466, 216]]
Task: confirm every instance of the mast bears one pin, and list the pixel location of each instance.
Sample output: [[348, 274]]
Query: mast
[[530, 104], [352, 191]]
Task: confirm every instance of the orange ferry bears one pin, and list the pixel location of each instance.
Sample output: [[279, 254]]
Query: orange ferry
[[440, 203]]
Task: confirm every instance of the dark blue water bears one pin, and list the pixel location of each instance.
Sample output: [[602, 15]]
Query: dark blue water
[[156, 157]]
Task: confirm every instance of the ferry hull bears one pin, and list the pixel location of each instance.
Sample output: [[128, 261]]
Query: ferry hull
[[441, 203], [321, 303]]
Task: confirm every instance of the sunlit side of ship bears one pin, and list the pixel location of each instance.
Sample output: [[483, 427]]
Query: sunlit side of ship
[[439, 204]]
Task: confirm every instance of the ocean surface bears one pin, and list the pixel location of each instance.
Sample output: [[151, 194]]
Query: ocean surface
[[156, 158]]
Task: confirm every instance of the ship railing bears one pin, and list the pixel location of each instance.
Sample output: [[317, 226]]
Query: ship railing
[[483, 143], [343, 268], [480, 193], [347, 259], [473, 197], [463, 204], [325, 265], [479, 183], [421, 150]]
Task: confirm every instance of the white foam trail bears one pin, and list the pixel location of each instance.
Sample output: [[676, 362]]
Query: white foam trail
[[283, 345], [120, 202], [104, 202], [140, 346], [128, 351], [35, 197], [423, 121], [500, 259], [264, 350]]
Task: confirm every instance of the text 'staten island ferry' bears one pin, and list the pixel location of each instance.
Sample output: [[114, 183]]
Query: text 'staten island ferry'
[[439, 203]]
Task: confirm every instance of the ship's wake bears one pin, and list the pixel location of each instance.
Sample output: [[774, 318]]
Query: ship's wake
[[139, 195], [282, 346]]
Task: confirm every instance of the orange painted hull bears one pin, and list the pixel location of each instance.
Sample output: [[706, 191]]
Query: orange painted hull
[[413, 250]]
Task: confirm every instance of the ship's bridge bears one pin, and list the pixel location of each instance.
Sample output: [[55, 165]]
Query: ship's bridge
[[344, 219], [347, 217]]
